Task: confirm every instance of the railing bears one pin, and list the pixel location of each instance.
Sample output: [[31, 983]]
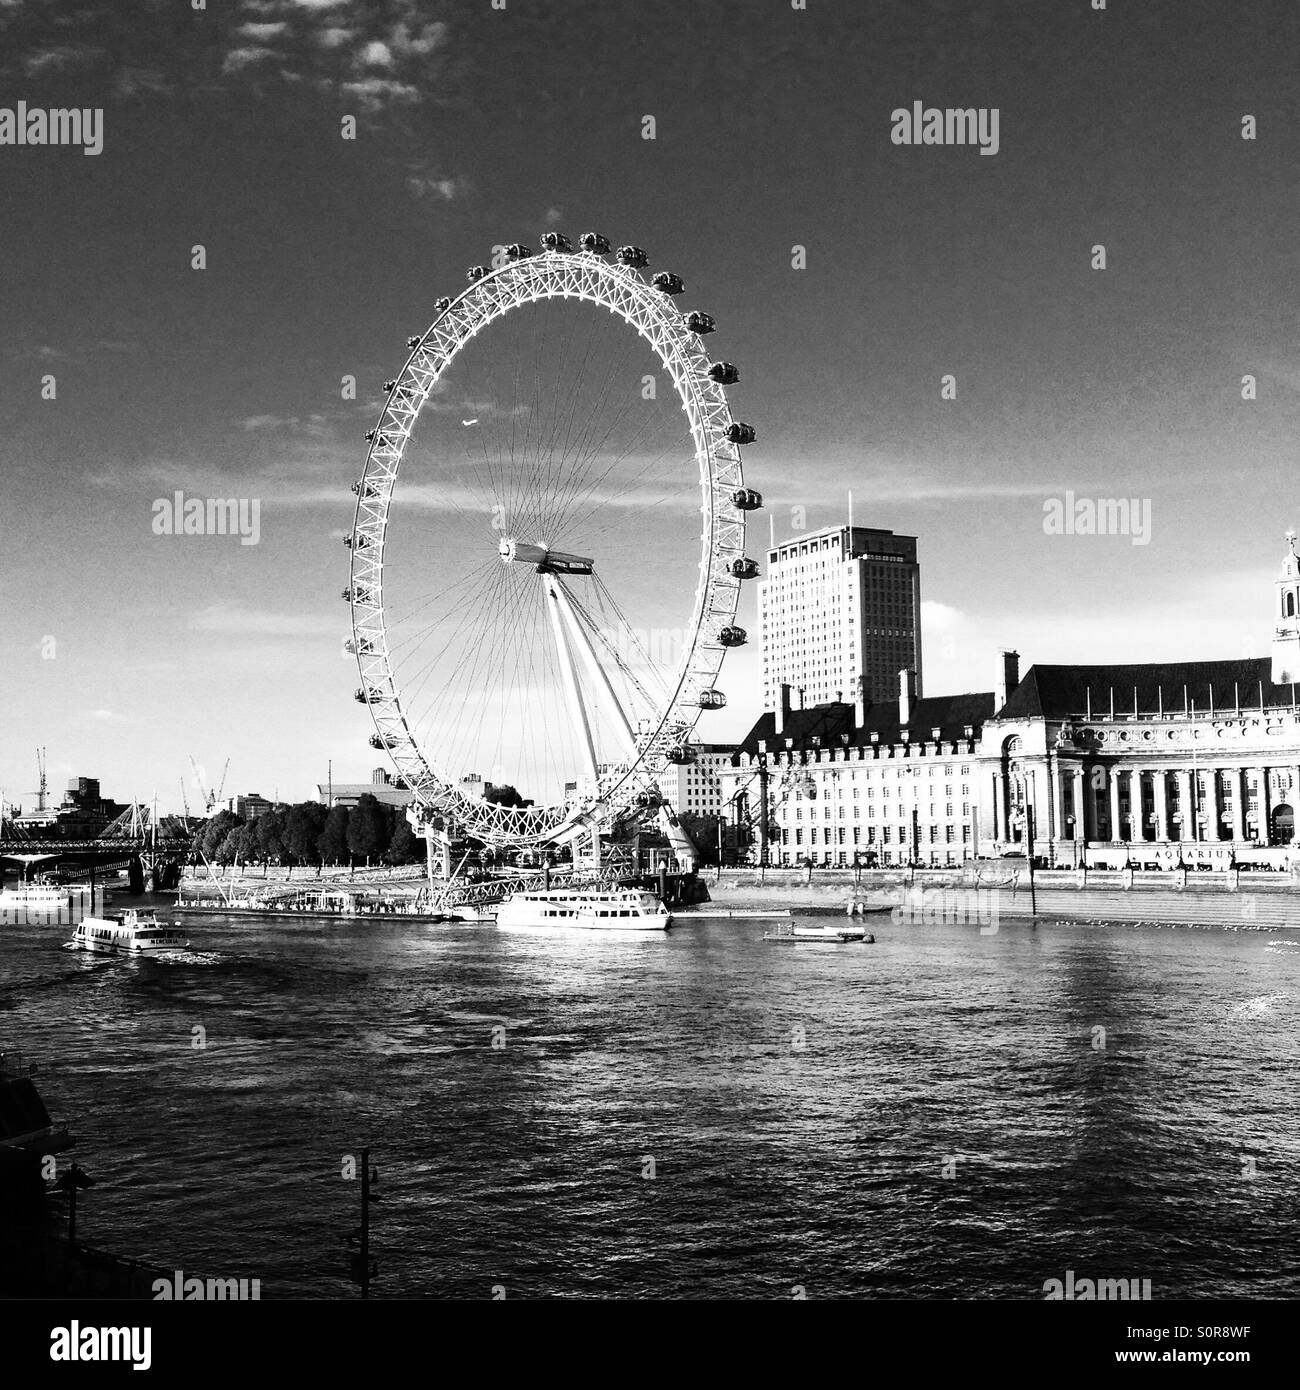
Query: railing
[[497, 889]]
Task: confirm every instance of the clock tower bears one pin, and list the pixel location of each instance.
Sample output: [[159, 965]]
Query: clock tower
[[1286, 618]]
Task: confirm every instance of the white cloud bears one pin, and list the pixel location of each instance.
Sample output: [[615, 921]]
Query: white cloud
[[418, 44], [418, 185], [261, 32], [59, 59], [374, 92], [240, 58], [377, 55], [132, 81]]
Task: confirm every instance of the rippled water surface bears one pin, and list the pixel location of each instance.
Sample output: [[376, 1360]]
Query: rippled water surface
[[798, 1106]]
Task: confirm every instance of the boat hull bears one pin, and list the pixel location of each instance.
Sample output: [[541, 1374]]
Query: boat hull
[[831, 934]]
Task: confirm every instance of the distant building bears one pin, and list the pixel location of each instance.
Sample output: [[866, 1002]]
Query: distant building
[[837, 604], [869, 783], [695, 788], [250, 806], [392, 791], [82, 814], [479, 787]]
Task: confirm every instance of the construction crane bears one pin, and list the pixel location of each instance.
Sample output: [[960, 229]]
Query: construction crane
[[211, 799], [40, 767]]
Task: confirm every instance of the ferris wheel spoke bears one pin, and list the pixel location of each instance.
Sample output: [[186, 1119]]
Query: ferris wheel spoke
[[574, 519], [424, 600], [631, 639], [434, 673], [592, 533], [416, 637], [552, 453], [583, 451], [459, 695]]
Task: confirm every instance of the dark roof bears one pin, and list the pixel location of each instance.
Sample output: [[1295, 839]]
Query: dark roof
[[950, 714], [1055, 692]]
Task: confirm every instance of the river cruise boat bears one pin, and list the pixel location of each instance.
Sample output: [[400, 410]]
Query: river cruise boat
[[804, 931], [42, 903], [37, 897], [621, 909], [129, 933]]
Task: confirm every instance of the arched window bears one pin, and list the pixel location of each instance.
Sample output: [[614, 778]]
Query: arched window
[[1290, 604]]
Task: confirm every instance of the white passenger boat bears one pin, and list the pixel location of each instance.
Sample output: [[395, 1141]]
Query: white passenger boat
[[42, 903], [36, 897], [621, 909], [126, 933], [802, 931]]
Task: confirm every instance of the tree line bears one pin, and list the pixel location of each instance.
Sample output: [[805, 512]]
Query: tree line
[[308, 833]]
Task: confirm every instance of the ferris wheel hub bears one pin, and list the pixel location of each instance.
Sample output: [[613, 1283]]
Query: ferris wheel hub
[[548, 561]]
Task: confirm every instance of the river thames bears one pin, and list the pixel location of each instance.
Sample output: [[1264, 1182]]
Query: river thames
[[943, 1114]]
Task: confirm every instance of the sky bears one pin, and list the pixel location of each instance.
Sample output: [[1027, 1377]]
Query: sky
[[124, 652]]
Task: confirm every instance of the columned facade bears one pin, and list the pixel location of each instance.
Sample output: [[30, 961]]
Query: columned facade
[[1196, 764]]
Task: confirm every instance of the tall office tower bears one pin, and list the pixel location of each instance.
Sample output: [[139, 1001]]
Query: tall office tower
[[835, 604]]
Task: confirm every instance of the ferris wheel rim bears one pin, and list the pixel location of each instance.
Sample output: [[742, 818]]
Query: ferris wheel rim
[[549, 275]]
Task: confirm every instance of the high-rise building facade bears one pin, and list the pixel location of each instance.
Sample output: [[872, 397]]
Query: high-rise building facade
[[837, 604]]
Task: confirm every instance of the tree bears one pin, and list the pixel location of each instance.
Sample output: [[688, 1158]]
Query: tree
[[216, 830], [270, 840], [303, 827], [367, 829], [503, 796], [403, 847], [333, 843], [228, 851], [242, 843]]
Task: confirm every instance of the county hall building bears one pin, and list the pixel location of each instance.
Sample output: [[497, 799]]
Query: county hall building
[[1166, 764]]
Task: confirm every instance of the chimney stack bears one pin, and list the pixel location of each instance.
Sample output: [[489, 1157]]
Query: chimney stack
[[1008, 678], [783, 707], [906, 694]]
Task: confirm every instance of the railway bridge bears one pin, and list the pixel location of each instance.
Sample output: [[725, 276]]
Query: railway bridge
[[152, 850]]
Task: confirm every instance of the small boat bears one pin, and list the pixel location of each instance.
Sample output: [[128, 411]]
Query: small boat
[[623, 909], [802, 931], [126, 933]]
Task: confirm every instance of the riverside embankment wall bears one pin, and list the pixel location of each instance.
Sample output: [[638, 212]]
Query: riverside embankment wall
[[1243, 900]]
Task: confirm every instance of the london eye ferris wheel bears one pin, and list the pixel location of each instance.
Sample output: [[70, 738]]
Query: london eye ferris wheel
[[546, 600]]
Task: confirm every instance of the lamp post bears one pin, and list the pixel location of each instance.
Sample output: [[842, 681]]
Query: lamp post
[[914, 774], [762, 811]]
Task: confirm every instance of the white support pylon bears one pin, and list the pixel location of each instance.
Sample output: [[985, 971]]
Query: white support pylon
[[577, 710]]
